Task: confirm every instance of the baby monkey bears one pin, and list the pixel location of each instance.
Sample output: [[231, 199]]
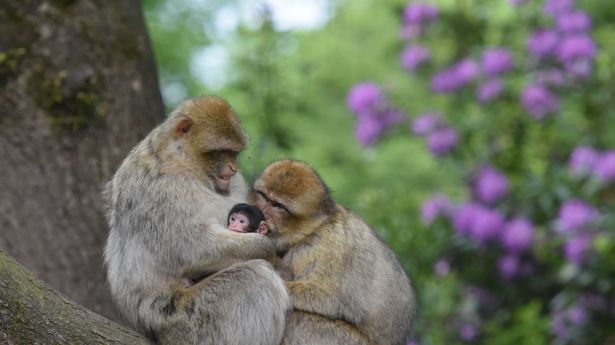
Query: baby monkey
[[241, 218], [247, 218]]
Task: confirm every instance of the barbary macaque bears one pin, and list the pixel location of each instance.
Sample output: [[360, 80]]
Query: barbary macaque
[[167, 209], [246, 218], [346, 285]]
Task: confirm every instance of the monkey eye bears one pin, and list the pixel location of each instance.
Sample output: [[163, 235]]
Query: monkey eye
[[242, 221], [279, 206], [262, 195]]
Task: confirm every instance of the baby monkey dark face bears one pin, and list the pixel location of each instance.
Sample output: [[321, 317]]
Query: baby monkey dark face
[[246, 218]]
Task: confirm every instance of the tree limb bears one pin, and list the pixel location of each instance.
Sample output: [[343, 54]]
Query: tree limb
[[31, 313]]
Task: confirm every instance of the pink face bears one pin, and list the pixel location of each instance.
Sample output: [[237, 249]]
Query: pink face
[[238, 222]]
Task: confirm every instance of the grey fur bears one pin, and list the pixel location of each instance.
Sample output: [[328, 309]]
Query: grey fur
[[166, 223]]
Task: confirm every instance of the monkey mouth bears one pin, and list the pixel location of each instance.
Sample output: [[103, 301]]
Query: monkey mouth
[[225, 178], [222, 181]]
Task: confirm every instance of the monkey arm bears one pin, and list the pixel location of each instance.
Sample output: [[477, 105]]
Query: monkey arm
[[219, 248], [323, 300]]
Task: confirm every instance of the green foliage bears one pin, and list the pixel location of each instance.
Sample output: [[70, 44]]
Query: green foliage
[[178, 29], [525, 325], [290, 90]]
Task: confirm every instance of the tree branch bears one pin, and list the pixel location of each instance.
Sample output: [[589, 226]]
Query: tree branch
[[31, 313]]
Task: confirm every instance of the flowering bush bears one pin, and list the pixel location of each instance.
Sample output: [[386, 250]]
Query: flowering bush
[[531, 243]]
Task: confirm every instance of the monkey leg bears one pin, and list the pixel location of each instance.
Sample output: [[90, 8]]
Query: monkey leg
[[309, 329], [245, 303]]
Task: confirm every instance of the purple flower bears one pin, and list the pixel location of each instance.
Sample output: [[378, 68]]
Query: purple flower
[[508, 266], [371, 125], [364, 98], [554, 7], [490, 185], [426, 123], [582, 160], [373, 112], [487, 225], [464, 216], [489, 90], [441, 141], [496, 61], [478, 222], [542, 43], [577, 315], [420, 13], [467, 332], [413, 56], [454, 77], [442, 267], [604, 167], [539, 101], [437, 205], [518, 235], [576, 47], [466, 70], [415, 17], [368, 129], [574, 214], [573, 21]]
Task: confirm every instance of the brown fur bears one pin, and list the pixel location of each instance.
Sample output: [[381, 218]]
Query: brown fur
[[167, 209], [341, 272]]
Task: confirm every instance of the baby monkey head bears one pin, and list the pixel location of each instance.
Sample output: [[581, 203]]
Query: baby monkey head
[[245, 218], [294, 200], [211, 136]]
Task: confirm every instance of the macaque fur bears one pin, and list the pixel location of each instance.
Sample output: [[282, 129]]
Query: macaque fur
[[346, 285], [167, 209]]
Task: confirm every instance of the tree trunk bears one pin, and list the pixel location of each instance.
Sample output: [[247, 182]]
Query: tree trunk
[[31, 313], [78, 89]]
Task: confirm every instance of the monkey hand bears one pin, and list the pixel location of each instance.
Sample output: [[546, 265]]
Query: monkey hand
[[263, 228]]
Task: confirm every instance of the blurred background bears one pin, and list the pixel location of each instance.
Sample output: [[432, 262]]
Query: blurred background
[[477, 137]]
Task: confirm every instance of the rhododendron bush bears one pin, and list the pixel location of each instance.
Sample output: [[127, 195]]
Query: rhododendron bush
[[523, 112]]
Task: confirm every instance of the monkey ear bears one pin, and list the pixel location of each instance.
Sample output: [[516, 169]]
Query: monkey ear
[[183, 126]]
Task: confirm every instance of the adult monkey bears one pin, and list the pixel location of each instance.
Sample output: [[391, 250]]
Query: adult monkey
[[167, 208], [346, 285]]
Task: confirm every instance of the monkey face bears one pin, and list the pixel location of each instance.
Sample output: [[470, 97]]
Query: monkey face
[[212, 136], [293, 199], [222, 168], [238, 222], [275, 212]]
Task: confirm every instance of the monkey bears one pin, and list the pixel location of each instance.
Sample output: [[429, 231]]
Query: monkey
[[246, 218], [346, 285], [166, 209]]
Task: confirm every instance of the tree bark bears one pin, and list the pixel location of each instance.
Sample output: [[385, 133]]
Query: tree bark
[[31, 313], [78, 89]]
